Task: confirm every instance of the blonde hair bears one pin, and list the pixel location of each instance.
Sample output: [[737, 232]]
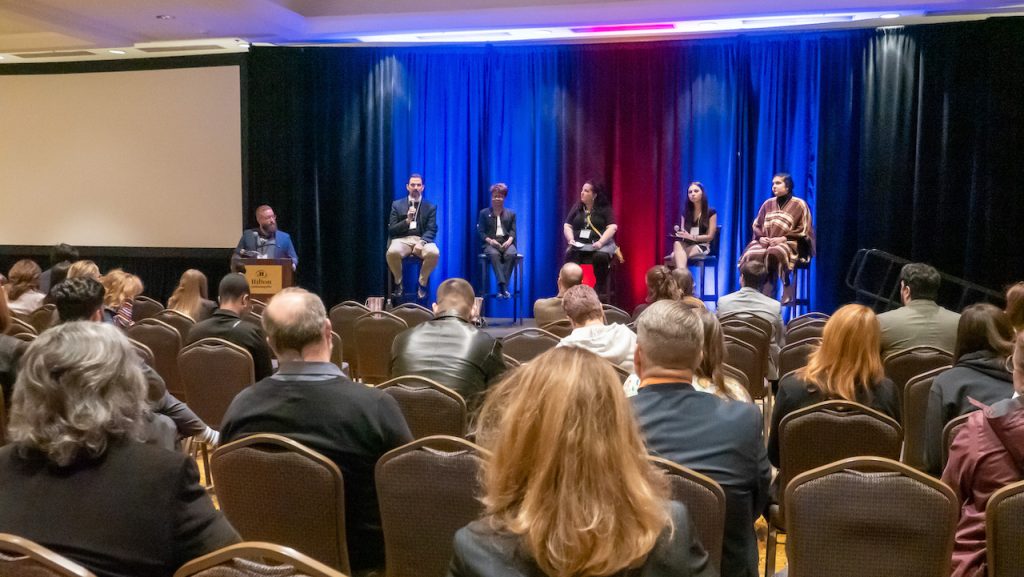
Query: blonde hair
[[848, 358], [568, 471], [188, 297], [712, 363], [84, 268], [120, 288]]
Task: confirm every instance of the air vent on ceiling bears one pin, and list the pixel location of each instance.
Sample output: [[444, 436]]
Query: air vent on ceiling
[[65, 54], [185, 48]]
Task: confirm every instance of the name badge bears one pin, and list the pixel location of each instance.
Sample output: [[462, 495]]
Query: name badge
[[585, 233], [412, 225]]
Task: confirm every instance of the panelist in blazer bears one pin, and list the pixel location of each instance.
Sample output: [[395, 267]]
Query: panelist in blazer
[[497, 229], [265, 241], [412, 228]]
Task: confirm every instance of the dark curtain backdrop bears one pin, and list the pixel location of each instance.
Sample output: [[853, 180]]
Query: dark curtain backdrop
[[903, 139]]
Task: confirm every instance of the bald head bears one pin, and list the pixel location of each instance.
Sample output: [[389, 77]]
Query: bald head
[[297, 326], [569, 276], [455, 294]]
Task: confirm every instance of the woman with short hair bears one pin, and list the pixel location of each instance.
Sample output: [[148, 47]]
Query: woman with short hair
[[568, 489]]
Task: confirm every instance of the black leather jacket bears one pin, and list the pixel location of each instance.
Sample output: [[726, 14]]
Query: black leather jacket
[[452, 352]]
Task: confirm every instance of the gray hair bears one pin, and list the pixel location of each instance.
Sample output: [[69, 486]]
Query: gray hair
[[670, 335], [80, 386], [294, 319]]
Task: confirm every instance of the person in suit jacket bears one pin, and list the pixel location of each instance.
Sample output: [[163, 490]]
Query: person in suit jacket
[[76, 477], [920, 321], [717, 437], [750, 299], [412, 228], [497, 229], [266, 241], [549, 310]]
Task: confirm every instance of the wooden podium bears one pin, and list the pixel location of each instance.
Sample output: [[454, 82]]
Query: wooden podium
[[267, 276]]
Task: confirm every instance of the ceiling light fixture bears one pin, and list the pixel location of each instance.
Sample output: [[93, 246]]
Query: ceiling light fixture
[[164, 17], [889, 16], [117, 51]]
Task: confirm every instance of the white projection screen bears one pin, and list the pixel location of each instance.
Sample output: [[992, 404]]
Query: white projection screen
[[140, 158]]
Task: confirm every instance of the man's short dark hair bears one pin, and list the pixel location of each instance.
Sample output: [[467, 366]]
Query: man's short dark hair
[[77, 299], [232, 287], [923, 280], [63, 253], [754, 274]]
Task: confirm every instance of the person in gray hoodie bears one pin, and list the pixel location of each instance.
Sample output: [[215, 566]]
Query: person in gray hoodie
[[614, 342], [984, 341]]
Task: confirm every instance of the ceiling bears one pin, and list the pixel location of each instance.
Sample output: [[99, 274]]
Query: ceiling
[[41, 26]]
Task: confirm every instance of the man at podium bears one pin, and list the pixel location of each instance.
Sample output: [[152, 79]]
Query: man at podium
[[266, 241]]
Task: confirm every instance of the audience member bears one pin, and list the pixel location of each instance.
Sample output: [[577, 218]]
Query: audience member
[[711, 375], [846, 367], [81, 299], [23, 295], [75, 478], [450, 349], [920, 321], [985, 457], [721, 439], [984, 339], [684, 280], [661, 285], [226, 323], [191, 298], [311, 401], [615, 342], [750, 299], [60, 254], [81, 268], [121, 289], [1015, 305], [11, 350], [567, 489], [549, 310]]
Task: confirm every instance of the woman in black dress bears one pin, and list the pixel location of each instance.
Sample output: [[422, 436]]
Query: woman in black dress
[[590, 231]]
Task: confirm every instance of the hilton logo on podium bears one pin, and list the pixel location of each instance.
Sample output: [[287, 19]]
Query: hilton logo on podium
[[263, 279]]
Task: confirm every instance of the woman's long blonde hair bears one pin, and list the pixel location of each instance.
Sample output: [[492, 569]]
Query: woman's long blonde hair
[[120, 287], [568, 472], [84, 268], [849, 358], [188, 297]]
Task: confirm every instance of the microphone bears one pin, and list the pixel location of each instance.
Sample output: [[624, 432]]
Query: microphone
[[676, 228]]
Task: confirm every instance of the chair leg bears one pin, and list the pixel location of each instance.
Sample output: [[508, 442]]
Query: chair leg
[[769, 551]]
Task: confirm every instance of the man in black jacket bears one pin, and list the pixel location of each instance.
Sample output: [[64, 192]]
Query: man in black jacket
[[412, 228], [226, 323]]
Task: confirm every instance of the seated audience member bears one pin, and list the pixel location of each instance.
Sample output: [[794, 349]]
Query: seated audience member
[[721, 439], [920, 321], [311, 401], [566, 487], [711, 375], [660, 286], [75, 477], [81, 268], [450, 349], [23, 295], [11, 350], [549, 310], [81, 299], [226, 323], [615, 342], [985, 457], [61, 254], [190, 297], [984, 339], [1015, 306], [684, 280], [121, 290], [846, 367], [750, 299]]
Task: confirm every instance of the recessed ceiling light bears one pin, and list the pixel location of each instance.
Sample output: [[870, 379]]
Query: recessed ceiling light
[[164, 17], [117, 51], [889, 16]]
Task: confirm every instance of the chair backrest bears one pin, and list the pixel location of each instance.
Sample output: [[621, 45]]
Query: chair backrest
[[27, 337], [343, 320], [907, 364], [277, 490], [144, 352], [429, 407], [794, 355], [144, 308], [428, 490], [807, 317], [526, 344], [869, 516], [622, 373], [746, 358], [180, 321], [337, 350], [740, 376], [23, 558], [704, 500], [750, 318], [43, 317], [751, 334], [915, 405], [510, 362], [258, 306], [810, 329], [613, 314], [412, 313], [253, 317], [560, 328], [373, 336], [213, 372], [165, 343], [248, 560], [949, 433], [833, 430], [19, 327], [1004, 531]]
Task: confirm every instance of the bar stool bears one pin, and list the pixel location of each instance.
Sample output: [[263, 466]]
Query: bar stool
[[517, 283], [410, 264], [702, 262]]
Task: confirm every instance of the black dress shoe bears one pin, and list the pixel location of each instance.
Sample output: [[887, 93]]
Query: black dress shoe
[[396, 293], [421, 292]]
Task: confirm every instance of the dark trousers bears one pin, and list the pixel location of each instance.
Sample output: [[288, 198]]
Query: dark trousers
[[502, 262], [599, 259]]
